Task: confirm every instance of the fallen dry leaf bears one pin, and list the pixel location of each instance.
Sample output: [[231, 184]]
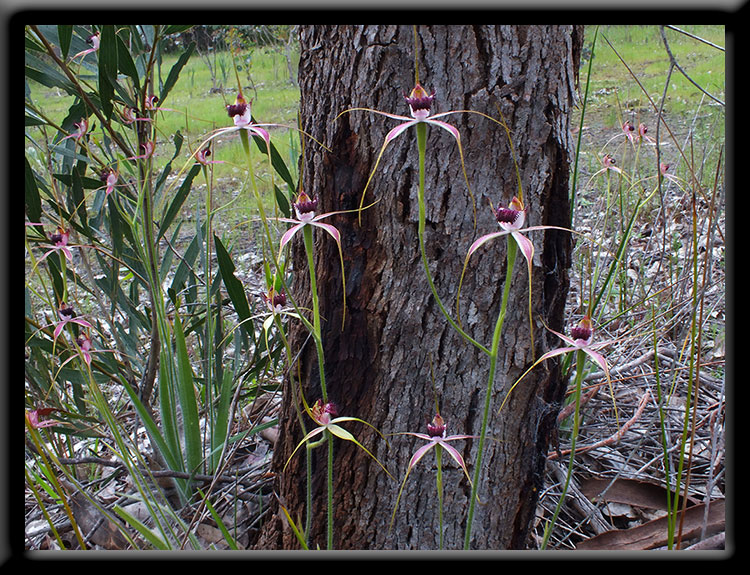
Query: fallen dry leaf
[[654, 533], [629, 491]]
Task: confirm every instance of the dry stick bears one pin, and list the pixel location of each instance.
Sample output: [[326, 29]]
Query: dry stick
[[160, 473], [596, 520], [615, 437], [673, 62], [568, 409]]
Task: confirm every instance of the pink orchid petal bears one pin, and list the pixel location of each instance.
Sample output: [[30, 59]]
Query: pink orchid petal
[[329, 228], [452, 130], [598, 359], [555, 352], [260, 132], [82, 322], [289, 233], [569, 340], [484, 239], [58, 328], [398, 130], [420, 453], [453, 452], [527, 248]]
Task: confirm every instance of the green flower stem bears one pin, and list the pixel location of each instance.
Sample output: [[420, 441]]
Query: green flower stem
[[439, 480], [580, 360], [422, 145], [210, 352], [307, 235], [329, 535], [664, 441], [512, 252], [244, 138]]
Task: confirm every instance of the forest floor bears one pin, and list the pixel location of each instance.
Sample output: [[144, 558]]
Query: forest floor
[[667, 391]]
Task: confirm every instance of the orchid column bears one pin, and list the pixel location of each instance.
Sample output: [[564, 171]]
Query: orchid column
[[377, 365]]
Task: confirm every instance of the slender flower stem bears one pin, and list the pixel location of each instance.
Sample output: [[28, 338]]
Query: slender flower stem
[[330, 490], [580, 359], [421, 144], [307, 235], [512, 251], [439, 480]]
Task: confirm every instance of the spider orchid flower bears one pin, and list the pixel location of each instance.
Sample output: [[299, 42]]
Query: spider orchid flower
[[276, 301], [609, 164], [435, 436], [510, 220], [324, 415], [420, 106], [242, 119], [67, 315], [80, 132], [36, 417], [203, 154], [85, 345], [642, 133], [629, 130], [92, 41], [664, 173], [151, 105], [129, 116], [581, 338], [60, 243], [148, 151], [109, 177], [305, 208]]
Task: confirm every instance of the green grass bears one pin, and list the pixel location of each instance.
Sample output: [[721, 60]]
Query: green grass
[[198, 110], [642, 49], [634, 90]]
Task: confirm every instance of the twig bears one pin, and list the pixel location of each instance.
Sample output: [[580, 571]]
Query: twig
[[581, 502], [673, 62], [615, 437], [163, 472]]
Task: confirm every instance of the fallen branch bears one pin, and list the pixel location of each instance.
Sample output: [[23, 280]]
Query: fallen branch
[[615, 437]]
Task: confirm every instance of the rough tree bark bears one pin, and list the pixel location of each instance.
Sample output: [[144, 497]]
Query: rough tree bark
[[378, 366]]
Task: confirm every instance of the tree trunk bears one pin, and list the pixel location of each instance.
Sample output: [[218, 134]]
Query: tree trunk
[[395, 345]]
